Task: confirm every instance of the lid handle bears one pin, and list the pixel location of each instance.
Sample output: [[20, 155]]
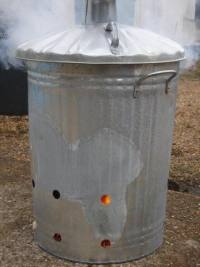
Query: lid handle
[[113, 37]]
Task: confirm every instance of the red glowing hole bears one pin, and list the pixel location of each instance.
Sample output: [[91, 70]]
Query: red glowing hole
[[106, 200], [57, 237], [105, 243]]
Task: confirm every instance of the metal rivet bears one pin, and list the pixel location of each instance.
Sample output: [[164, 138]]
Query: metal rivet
[[57, 237], [56, 194], [106, 243]]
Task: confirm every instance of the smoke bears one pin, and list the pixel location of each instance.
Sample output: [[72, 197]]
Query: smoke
[[176, 19], [22, 20]]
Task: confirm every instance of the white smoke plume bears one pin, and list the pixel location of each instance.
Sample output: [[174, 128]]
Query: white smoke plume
[[22, 20], [176, 19]]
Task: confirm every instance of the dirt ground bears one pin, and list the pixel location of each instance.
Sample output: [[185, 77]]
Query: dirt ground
[[182, 236], [185, 163]]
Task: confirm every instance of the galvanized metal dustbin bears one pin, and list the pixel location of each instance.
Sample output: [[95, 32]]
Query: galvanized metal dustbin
[[101, 108]]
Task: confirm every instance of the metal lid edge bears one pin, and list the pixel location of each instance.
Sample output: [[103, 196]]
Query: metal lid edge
[[81, 59]]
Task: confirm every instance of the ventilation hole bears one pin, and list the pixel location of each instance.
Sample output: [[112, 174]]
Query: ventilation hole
[[57, 237], [106, 200], [56, 194], [105, 243], [33, 183]]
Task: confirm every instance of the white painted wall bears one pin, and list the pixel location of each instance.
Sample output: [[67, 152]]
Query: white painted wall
[[173, 18]]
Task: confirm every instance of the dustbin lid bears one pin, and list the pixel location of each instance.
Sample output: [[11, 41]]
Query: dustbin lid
[[92, 44]]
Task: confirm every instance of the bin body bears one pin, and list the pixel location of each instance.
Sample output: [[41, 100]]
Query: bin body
[[90, 138], [101, 106]]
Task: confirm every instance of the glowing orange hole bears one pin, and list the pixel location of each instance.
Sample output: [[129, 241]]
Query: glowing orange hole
[[105, 243], [106, 200]]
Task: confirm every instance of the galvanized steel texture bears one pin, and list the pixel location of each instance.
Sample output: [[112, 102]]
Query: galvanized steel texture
[[91, 44], [90, 138]]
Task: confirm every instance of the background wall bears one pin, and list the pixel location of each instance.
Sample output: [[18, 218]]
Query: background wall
[[125, 11], [174, 18]]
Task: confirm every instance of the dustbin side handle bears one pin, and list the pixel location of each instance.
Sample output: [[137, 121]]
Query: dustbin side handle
[[172, 74]]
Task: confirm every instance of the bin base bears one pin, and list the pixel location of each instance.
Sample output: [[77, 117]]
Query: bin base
[[122, 255]]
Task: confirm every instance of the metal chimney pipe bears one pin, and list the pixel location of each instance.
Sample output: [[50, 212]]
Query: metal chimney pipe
[[100, 11]]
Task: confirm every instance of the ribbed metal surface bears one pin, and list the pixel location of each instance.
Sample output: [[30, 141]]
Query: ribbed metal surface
[[91, 44], [90, 138]]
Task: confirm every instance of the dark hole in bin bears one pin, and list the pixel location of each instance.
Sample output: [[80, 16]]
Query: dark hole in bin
[[57, 237], [106, 243], [33, 183], [56, 194]]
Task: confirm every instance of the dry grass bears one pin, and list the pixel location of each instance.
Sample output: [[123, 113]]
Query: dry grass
[[193, 73], [14, 134], [185, 164]]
